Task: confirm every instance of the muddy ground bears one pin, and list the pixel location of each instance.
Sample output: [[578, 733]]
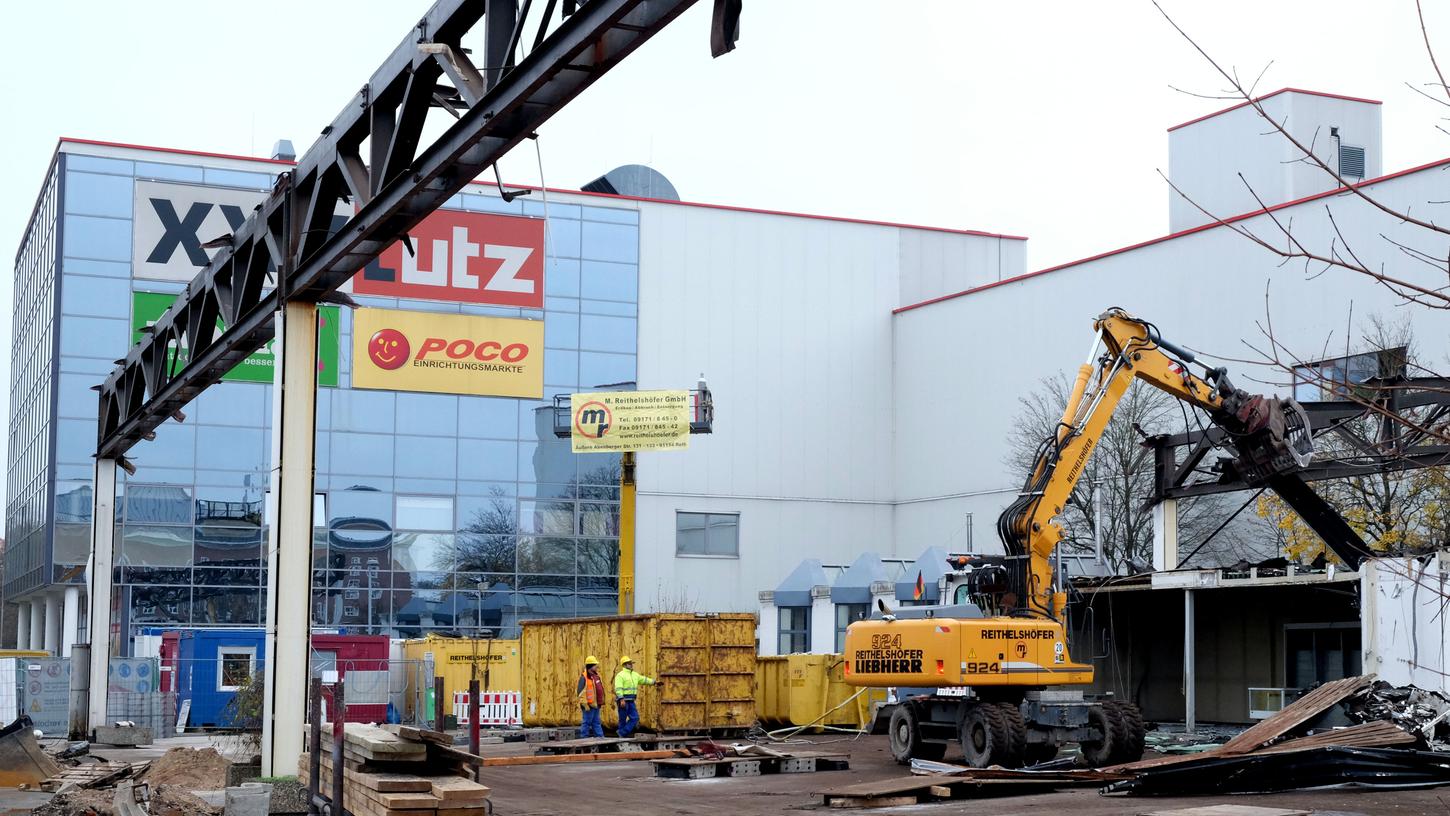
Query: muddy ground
[[613, 787]]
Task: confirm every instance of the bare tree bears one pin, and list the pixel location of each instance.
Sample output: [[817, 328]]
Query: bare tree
[[1108, 504]]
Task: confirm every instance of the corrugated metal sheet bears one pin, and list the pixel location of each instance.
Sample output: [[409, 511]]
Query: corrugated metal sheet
[[707, 663]]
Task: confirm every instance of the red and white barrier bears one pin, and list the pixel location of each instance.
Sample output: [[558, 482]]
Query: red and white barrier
[[494, 707]]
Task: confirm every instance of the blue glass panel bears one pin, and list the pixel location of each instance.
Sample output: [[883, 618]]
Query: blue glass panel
[[95, 297], [596, 369], [370, 411], [368, 454], [236, 178], [173, 447], [609, 281], [487, 418], [561, 367], [536, 419], [547, 461], [487, 460], [151, 545], [233, 606], [609, 307], [105, 239], [610, 242], [613, 214], [487, 200], [562, 277], [93, 194], [563, 238], [561, 331], [426, 457], [75, 440], [94, 337], [431, 414], [94, 367], [160, 604], [76, 397], [233, 403], [97, 164], [607, 333], [555, 209], [324, 408], [557, 304], [171, 172], [360, 503], [73, 501], [105, 269], [482, 490], [434, 487], [232, 448]]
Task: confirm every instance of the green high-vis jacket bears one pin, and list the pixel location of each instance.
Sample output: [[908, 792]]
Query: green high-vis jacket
[[627, 683]]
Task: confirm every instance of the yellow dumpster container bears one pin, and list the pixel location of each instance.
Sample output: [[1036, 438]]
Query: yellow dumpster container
[[810, 689], [454, 659], [707, 663]]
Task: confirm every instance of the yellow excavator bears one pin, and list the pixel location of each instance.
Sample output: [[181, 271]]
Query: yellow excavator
[[993, 673]]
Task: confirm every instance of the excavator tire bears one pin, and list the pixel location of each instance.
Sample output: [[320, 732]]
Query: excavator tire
[[1131, 748], [1114, 731], [986, 736], [1016, 732], [906, 741]]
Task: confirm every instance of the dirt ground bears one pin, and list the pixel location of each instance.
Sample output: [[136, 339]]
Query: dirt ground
[[196, 768], [542, 790]]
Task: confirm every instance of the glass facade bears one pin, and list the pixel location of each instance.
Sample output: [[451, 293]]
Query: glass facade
[[435, 512]]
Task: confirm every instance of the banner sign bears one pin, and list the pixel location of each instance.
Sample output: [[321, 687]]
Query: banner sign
[[147, 307], [466, 257], [630, 421], [448, 353], [47, 694], [172, 221]]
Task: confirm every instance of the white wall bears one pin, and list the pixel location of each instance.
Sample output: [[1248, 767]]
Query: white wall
[[1402, 624], [1206, 157], [789, 319], [962, 364]]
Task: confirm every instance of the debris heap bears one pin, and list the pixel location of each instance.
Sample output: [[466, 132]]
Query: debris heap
[[1421, 712]]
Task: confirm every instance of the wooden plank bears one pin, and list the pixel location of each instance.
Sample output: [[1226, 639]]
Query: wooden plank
[[940, 791], [381, 781], [874, 802], [1295, 714], [415, 734], [1365, 735], [563, 758], [452, 788]]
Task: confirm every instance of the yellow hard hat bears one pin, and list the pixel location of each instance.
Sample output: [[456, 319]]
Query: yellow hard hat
[[591, 660], [625, 659]]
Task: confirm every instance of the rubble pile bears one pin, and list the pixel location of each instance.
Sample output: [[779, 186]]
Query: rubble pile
[[1421, 712], [196, 768]]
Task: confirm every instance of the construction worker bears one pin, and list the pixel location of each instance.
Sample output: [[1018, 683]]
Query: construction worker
[[590, 691], [626, 688]]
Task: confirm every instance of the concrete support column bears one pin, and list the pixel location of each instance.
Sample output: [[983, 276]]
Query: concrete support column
[[289, 548], [22, 625], [767, 631], [1165, 535], [52, 624], [823, 621], [37, 622], [69, 620], [98, 588], [1190, 669]]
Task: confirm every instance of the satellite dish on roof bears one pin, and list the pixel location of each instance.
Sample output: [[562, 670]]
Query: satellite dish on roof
[[635, 180]]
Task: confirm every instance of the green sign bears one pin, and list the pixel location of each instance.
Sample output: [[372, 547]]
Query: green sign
[[147, 307]]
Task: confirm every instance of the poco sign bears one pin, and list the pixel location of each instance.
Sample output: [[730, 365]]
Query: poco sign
[[448, 354], [464, 256]]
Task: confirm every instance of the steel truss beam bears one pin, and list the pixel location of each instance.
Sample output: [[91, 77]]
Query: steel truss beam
[[370, 157]]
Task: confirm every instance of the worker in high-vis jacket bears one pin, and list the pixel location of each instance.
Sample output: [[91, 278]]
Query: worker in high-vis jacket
[[590, 690], [626, 689]]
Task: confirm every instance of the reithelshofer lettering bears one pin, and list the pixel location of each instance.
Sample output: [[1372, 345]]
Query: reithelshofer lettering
[[887, 661], [1017, 634]]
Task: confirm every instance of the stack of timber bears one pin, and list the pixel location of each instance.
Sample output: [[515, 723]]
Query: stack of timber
[[400, 771]]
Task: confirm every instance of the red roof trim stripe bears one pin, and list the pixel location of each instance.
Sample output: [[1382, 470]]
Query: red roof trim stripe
[[1275, 93], [727, 207], [1169, 237]]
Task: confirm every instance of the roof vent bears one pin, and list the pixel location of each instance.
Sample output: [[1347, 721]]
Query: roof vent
[[1351, 161], [284, 151], [635, 180]]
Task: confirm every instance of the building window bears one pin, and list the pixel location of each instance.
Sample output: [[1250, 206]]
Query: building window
[[847, 614], [1341, 379], [715, 534], [795, 630], [235, 667]]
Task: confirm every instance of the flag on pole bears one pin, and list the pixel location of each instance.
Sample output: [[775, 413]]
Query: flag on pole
[[919, 591]]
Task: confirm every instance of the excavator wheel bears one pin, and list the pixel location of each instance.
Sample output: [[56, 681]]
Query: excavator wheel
[[1114, 728], [906, 741], [1131, 748], [986, 737], [1016, 733]]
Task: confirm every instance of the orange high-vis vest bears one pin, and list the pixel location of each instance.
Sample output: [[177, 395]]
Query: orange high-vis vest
[[591, 691]]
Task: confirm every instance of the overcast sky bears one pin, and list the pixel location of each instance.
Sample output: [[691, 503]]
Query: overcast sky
[[1041, 119]]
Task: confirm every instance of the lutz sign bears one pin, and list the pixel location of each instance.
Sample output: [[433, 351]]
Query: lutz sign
[[465, 257]]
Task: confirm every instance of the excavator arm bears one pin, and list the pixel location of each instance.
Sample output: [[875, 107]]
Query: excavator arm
[[1270, 436]]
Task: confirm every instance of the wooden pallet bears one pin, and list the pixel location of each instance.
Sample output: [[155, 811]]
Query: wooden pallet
[[741, 766], [92, 775], [598, 745]]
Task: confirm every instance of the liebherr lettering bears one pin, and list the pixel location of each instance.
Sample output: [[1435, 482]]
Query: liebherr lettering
[[887, 661]]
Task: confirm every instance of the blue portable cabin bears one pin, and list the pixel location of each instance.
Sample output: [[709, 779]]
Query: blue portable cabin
[[211, 665]]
